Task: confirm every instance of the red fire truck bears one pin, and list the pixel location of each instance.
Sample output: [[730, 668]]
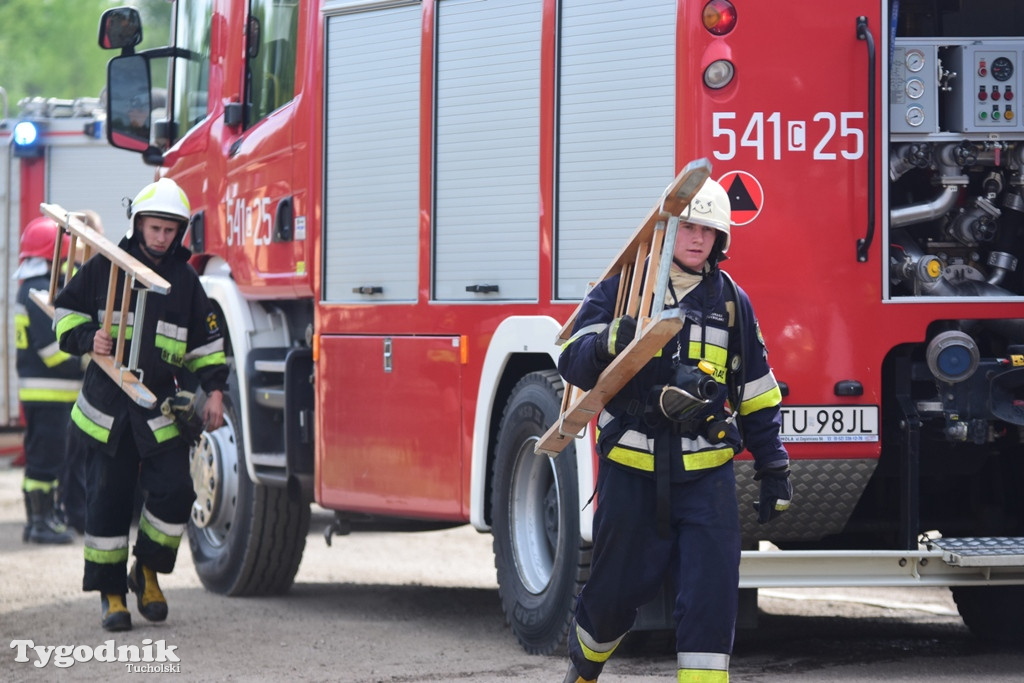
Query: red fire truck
[[397, 203]]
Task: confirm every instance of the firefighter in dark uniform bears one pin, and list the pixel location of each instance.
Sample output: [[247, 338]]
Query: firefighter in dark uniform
[[48, 384], [129, 444], [666, 489]]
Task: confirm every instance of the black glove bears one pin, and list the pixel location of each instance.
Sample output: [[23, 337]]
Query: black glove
[[776, 493], [615, 337], [182, 408]]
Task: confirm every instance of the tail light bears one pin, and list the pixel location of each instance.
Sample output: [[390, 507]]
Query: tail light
[[719, 17]]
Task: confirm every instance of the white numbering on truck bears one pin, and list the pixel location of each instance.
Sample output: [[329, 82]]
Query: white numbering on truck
[[249, 222], [829, 423], [827, 135]]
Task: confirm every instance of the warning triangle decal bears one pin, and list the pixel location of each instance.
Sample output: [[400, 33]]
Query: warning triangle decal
[[739, 197], [746, 196]]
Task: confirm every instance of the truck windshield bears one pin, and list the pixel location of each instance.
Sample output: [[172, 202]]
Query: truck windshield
[[192, 76], [271, 71]]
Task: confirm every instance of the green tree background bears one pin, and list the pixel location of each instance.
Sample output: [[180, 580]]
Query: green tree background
[[48, 48]]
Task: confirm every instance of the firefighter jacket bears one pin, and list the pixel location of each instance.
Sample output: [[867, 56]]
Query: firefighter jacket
[[46, 374], [631, 424], [180, 334]]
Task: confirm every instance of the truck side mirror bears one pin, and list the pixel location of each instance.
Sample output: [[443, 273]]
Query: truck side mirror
[[129, 103], [120, 27]]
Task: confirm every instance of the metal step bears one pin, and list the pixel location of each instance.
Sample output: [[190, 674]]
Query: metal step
[[982, 551], [966, 562]]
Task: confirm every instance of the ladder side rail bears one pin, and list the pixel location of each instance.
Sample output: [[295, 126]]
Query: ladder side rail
[[140, 315], [122, 327], [668, 248], [108, 310], [55, 266], [650, 275], [636, 282]]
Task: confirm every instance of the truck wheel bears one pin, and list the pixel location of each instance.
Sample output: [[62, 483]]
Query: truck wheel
[[541, 561], [246, 538], [992, 613]]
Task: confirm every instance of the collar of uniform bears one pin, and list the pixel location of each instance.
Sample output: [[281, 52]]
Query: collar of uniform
[[682, 282], [32, 267]]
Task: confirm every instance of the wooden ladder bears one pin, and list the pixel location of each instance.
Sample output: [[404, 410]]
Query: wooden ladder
[[642, 287], [138, 277]]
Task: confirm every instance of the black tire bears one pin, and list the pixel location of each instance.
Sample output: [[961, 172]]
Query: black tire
[[992, 613], [541, 561], [246, 538]]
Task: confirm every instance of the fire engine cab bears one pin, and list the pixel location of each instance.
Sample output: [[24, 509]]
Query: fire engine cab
[[397, 204]]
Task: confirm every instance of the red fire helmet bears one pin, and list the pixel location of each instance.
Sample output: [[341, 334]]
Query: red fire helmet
[[38, 238]]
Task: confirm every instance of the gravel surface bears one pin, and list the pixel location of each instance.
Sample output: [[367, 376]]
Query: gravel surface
[[424, 607]]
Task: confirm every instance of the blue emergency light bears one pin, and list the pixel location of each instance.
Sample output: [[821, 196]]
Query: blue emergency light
[[27, 139]]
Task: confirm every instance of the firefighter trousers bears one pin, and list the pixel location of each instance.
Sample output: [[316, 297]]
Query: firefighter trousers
[[71, 493], [45, 424], [631, 562], [110, 503]]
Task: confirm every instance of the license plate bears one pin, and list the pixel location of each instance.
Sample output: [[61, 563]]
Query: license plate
[[829, 423]]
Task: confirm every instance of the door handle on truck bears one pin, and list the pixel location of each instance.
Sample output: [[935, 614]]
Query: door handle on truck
[[863, 244]]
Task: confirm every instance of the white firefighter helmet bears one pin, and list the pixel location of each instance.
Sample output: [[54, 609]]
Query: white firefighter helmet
[[711, 207], [163, 198]]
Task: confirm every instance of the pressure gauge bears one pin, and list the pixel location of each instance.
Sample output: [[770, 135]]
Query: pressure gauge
[[914, 59], [915, 116], [1002, 69], [915, 88]]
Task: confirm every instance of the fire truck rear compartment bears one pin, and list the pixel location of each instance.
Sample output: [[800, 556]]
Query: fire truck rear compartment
[[956, 147]]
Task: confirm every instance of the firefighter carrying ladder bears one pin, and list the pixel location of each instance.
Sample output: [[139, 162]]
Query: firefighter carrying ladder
[[641, 294], [138, 277]]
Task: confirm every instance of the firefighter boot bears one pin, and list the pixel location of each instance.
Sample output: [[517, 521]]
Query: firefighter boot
[[43, 526], [142, 582], [115, 615], [573, 676]]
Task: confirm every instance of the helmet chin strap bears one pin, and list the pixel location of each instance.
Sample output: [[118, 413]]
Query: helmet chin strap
[[155, 255], [717, 255]]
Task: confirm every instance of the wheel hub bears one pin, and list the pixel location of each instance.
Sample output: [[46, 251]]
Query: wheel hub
[[214, 470], [534, 516], [551, 514]]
